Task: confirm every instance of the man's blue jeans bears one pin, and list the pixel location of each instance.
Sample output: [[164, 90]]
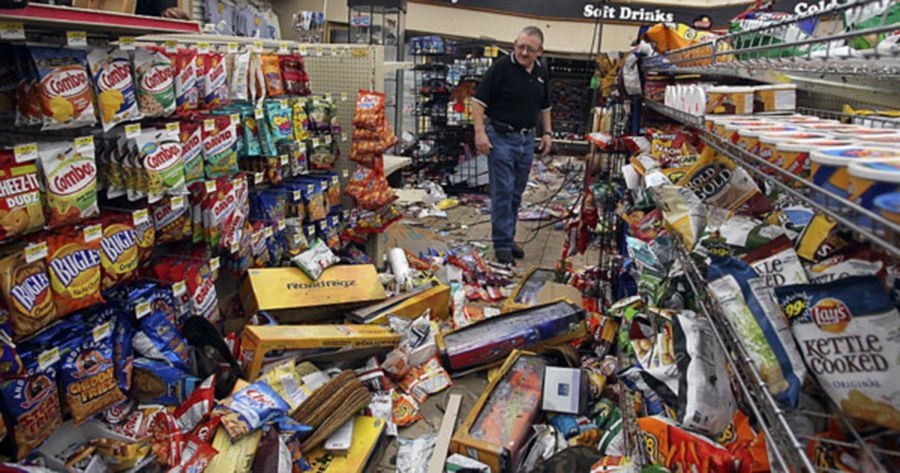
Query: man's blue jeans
[[509, 165]]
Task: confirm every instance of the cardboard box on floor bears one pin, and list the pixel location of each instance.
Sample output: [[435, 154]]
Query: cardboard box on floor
[[434, 296], [537, 287], [290, 296], [256, 341]]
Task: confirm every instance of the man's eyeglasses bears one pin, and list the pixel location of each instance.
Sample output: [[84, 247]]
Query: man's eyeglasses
[[523, 47]]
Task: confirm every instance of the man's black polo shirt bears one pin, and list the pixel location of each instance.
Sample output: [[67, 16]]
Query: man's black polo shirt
[[511, 95]]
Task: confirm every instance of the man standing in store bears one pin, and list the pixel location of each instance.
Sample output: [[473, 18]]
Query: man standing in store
[[512, 95]]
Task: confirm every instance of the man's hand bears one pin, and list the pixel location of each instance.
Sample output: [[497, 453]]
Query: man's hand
[[546, 143], [482, 143]]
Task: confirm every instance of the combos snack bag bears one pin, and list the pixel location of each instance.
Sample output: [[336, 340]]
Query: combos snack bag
[[847, 331], [20, 197], [33, 405], [111, 70], [66, 96], [155, 83], [71, 175], [88, 376], [160, 155], [74, 270], [118, 250], [26, 293]]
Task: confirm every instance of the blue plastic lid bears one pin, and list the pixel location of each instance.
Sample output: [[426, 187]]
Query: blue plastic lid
[[888, 202]]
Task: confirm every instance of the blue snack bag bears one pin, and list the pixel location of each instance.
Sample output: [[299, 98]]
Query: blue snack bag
[[32, 403], [158, 339], [158, 382], [248, 409], [88, 377]]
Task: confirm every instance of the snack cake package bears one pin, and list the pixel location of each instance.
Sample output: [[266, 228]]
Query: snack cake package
[[847, 330]]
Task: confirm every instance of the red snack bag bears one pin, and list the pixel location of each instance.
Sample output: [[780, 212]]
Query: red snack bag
[[172, 219], [207, 430], [369, 109], [195, 456], [215, 80], [20, 197], [74, 270], [293, 74], [668, 445], [166, 440], [197, 406], [119, 250], [186, 93]]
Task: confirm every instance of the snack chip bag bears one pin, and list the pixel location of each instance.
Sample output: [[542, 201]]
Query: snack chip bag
[[111, 70], [847, 330], [215, 88], [240, 73], [64, 90], [9, 80], [26, 293], [293, 74], [272, 71], [315, 260], [668, 445], [21, 208], [71, 176], [279, 118], [191, 151], [369, 109], [172, 219], [145, 233], [155, 83], [88, 377], [220, 142], [187, 96], [33, 406], [301, 119], [248, 409], [197, 406], [74, 269], [158, 339], [119, 250], [160, 155], [322, 115], [720, 183]]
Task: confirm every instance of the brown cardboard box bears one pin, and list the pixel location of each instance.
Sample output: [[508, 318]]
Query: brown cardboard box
[[256, 341], [290, 296], [435, 296], [537, 287], [119, 6]]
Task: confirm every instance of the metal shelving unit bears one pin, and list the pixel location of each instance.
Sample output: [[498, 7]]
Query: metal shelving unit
[[865, 223], [818, 61], [38, 17]]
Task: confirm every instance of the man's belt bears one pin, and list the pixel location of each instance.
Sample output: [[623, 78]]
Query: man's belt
[[506, 128]]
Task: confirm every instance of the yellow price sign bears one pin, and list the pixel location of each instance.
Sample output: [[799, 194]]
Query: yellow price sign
[[25, 152]]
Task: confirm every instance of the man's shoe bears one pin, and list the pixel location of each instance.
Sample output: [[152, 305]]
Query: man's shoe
[[504, 257], [517, 251]]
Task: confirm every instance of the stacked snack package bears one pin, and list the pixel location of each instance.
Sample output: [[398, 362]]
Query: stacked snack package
[[368, 186]]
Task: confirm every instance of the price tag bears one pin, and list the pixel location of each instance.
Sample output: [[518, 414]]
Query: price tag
[[327, 96], [280, 225], [142, 310], [267, 231], [359, 52], [318, 52], [84, 145], [140, 216], [171, 46], [344, 96], [284, 48], [344, 136], [258, 177], [214, 264], [126, 43], [177, 202], [258, 46], [259, 114], [93, 233], [210, 186], [232, 48], [283, 103], [103, 331], [327, 139], [12, 31], [209, 125], [335, 181], [283, 159], [346, 214], [323, 225], [25, 152], [172, 126], [179, 288], [132, 130], [315, 142], [48, 358], [297, 195], [235, 118], [310, 188], [202, 48], [295, 238], [304, 51], [345, 173], [238, 182], [326, 51], [36, 252]]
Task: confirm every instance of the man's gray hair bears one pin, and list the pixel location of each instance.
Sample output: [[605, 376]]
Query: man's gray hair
[[533, 31]]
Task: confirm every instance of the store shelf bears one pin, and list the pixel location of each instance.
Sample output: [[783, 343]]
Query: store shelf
[[871, 121], [50, 17], [867, 224]]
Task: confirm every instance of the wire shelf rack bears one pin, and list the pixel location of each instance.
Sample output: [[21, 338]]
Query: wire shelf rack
[[871, 121], [834, 40], [865, 223]]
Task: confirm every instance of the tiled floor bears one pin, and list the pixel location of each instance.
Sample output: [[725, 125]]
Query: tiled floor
[[543, 246]]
